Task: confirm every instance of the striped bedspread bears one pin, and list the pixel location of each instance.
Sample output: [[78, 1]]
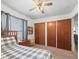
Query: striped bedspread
[[15, 51]]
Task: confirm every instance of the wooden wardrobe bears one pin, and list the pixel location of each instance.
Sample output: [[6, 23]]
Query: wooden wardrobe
[[59, 34], [40, 33]]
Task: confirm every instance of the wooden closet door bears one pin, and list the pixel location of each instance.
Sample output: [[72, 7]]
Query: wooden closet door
[[40, 33], [51, 34], [37, 33], [64, 34]]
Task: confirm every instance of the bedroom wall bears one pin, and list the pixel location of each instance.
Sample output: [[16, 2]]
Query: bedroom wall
[[45, 20], [30, 23], [48, 19], [13, 12]]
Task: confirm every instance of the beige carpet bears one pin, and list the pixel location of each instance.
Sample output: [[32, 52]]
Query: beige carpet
[[59, 53]]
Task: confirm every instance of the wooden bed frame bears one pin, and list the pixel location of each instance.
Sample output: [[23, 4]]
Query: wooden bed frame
[[9, 34]]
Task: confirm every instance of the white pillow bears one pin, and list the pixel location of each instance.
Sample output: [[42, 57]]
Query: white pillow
[[7, 41]]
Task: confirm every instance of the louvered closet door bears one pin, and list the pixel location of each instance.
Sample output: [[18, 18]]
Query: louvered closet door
[[40, 33], [51, 34], [64, 34]]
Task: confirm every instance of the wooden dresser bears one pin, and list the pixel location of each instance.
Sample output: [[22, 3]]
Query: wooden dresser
[[25, 43]]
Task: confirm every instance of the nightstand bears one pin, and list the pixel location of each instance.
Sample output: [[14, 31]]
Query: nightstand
[[25, 43]]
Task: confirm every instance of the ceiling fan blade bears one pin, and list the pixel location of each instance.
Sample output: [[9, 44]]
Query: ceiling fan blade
[[33, 8], [47, 3], [42, 11]]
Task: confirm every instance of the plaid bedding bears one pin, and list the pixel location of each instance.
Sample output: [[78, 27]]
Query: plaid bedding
[[15, 51]]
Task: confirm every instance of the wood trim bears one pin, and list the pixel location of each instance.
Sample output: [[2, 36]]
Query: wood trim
[[9, 34]]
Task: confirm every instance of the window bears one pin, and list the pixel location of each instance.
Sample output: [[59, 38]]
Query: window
[[13, 23]]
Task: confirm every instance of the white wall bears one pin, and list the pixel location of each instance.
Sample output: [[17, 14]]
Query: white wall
[[30, 23], [13, 12]]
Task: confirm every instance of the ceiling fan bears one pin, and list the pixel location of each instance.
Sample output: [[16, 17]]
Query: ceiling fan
[[40, 4]]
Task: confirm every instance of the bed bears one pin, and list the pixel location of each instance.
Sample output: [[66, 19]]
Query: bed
[[11, 50]]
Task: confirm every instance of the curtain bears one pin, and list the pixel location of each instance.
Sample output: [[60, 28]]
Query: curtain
[[3, 20], [25, 29]]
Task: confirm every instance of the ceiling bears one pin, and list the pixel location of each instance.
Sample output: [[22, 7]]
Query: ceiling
[[59, 7]]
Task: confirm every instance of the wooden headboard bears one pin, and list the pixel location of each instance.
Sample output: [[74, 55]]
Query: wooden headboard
[[9, 34]]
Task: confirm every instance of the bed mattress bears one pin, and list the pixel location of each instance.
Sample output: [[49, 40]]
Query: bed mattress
[[15, 51]]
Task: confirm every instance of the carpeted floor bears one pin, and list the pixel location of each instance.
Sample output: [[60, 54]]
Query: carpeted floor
[[58, 53]]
